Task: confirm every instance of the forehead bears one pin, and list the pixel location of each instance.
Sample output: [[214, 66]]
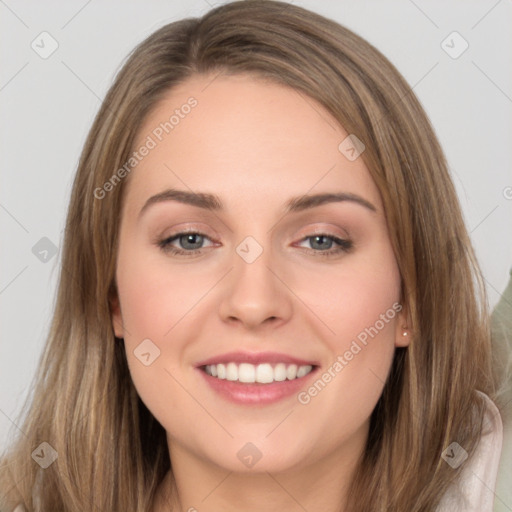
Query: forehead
[[244, 139]]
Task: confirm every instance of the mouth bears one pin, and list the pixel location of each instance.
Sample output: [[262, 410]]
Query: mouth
[[265, 373], [257, 379]]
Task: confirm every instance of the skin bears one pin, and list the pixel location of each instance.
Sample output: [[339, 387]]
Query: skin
[[255, 145]]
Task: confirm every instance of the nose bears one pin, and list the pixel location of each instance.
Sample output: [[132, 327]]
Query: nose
[[255, 294]]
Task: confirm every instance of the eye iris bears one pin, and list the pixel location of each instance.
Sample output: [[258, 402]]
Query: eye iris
[[323, 238], [185, 239]]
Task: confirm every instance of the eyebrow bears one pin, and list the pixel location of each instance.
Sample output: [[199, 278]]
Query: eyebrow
[[295, 204]]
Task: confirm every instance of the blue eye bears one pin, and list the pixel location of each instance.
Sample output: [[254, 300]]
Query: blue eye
[[191, 243], [325, 242]]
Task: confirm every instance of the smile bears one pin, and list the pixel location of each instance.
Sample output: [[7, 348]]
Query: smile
[[265, 373], [257, 384]]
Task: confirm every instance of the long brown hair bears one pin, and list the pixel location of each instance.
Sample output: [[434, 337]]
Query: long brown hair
[[112, 453]]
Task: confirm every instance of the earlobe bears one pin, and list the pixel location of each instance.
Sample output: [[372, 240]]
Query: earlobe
[[403, 338], [403, 334], [115, 313]]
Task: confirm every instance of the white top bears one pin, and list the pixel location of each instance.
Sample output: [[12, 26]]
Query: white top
[[475, 489]]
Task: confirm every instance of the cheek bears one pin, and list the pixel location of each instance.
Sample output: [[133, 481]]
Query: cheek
[[154, 296], [160, 304], [353, 296], [358, 303], [150, 306]]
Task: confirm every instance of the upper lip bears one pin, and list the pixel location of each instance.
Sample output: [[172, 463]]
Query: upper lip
[[255, 358]]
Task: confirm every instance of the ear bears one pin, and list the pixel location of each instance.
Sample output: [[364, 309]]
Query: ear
[[403, 331], [115, 312]]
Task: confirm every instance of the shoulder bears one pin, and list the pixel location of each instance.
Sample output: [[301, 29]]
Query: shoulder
[[475, 489]]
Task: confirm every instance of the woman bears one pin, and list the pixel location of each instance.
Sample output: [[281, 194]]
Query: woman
[[259, 369]]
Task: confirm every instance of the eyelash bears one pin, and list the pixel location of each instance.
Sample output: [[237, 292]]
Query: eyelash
[[344, 245]]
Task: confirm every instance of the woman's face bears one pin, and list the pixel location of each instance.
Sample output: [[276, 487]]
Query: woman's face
[[272, 282]]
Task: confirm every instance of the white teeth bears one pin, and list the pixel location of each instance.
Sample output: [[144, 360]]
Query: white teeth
[[291, 372], [232, 371], [303, 370], [246, 373], [280, 372], [221, 371], [262, 373]]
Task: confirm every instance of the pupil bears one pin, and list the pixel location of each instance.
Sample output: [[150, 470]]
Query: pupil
[[190, 239], [322, 237]]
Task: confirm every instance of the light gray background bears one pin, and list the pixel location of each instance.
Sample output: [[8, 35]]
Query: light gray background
[[48, 106]]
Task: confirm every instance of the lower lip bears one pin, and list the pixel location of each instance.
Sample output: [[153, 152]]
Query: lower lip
[[256, 393]]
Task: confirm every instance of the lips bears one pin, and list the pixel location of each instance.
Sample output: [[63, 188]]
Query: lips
[[256, 378]]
